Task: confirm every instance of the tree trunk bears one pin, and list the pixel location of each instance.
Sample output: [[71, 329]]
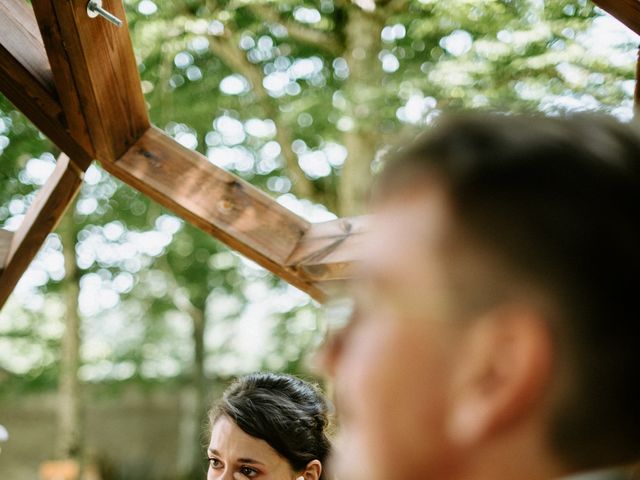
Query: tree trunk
[[194, 403], [199, 376], [361, 89], [234, 57], [355, 180], [69, 437]]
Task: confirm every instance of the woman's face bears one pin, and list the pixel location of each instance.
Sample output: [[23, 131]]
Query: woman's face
[[235, 455]]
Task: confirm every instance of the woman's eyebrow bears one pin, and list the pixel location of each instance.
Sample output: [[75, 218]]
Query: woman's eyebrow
[[249, 460], [213, 451]]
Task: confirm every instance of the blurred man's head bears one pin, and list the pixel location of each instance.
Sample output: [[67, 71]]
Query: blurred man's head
[[497, 325]]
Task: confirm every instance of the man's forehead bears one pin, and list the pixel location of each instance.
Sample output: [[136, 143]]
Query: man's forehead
[[407, 233], [409, 220]]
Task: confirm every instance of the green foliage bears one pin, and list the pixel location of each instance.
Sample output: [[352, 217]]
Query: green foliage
[[269, 90]]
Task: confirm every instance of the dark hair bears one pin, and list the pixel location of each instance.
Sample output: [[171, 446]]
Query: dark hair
[[556, 203], [289, 414]]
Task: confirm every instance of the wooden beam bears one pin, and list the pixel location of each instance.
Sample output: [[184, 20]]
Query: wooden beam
[[95, 64], [221, 204], [27, 81], [627, 11], [330, 251], [5, 246], [42, 217]]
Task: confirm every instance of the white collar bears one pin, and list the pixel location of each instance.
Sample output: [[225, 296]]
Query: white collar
[[608, 474]]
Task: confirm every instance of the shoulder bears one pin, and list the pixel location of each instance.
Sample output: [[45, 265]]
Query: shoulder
[[614, 474]]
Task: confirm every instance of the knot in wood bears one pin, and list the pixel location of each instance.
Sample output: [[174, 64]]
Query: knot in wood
[[225, 206]]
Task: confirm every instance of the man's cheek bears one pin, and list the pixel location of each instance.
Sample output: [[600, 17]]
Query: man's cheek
[[360, 365], [356, 382], [358, 452]]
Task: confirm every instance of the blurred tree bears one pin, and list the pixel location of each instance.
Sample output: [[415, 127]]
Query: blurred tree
[[337, 81], [70, 429]]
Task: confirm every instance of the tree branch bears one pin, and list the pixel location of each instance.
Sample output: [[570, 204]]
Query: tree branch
[[311, 36], [179, 296], [395, 6], [235, 58]]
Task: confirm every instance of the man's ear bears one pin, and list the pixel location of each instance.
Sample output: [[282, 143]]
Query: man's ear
[[501, 375], [312, 471]]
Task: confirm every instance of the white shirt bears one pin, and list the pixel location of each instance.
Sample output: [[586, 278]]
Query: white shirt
[[610, 474]]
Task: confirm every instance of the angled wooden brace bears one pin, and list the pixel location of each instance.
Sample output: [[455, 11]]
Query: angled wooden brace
[[627, 11], [43, 215], [329, 251]]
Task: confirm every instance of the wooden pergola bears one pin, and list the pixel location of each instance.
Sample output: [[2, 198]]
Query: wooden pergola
[[76, 78]]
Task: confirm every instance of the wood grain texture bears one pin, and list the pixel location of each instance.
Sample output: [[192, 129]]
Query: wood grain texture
[[330, 251], [5, 246], [27, 81], [95, 60], [627, 11], [42, 217], [20, 39], [221, 204], [62, 76]]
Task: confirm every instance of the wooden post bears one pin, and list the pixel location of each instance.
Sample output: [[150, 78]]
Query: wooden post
[[94, 64], [26, 79]]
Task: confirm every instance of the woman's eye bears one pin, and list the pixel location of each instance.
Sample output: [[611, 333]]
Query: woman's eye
[[248, 472], [215, 463]]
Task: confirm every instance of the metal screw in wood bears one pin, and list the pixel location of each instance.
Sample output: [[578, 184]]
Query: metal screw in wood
[[94, 8]]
